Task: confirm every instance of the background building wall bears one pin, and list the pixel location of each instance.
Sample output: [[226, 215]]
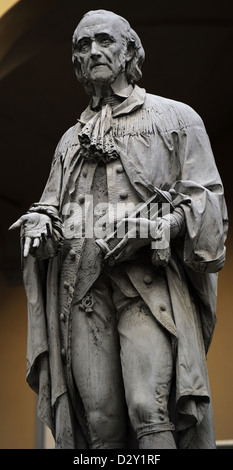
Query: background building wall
[[17, 401]]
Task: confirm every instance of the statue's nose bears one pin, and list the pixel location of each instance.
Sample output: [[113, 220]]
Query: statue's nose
[[95, 49]]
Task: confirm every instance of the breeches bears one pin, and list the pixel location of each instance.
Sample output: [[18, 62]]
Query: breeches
[[122, 365]]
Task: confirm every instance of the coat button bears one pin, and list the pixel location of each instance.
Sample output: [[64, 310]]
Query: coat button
[[147, 279], [123, 194], [84, 173], [81, 198], [119, 169], [62, 317], [72, 254], [161, 410], [163, 307], [66, 285], [63, 352]]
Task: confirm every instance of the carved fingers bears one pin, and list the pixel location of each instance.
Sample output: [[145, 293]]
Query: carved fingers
[[17, 224], [35, 229]]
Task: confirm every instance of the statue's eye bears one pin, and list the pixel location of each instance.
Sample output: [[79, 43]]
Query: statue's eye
[[105, 40], [84, 45]]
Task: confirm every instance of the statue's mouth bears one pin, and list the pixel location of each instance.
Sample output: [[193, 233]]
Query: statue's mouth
[[99, 65]]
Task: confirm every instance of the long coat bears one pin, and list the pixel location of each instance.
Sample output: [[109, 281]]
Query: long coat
[[161, 143]]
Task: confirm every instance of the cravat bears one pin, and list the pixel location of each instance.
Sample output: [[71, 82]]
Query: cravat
[[96, 138]]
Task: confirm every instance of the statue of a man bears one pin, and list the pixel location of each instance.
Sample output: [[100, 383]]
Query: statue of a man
[[118, 332]]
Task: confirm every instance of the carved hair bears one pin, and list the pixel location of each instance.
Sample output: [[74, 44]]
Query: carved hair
[[133, 67]]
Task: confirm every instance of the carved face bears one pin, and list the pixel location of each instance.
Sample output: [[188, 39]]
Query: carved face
[[101, 48]]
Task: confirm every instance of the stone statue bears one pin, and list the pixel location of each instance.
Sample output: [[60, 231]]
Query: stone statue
[[120, 316]]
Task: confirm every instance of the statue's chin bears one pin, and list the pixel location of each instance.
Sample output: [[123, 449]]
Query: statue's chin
[[102, 74]]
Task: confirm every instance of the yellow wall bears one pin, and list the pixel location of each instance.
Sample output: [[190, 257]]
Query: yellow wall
[[221, 352], [6, 5], [17, 401]]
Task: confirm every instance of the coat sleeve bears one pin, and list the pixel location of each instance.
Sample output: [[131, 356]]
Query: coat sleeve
[[52, 190], [50, 201], [205, 211], [49, 204]]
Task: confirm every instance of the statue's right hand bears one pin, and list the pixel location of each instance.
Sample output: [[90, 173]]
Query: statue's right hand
[[36, 228]]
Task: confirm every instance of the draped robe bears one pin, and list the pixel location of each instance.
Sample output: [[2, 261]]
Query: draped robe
[[161, 144]]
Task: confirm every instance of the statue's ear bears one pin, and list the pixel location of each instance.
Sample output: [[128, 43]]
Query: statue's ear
[[130, 50]]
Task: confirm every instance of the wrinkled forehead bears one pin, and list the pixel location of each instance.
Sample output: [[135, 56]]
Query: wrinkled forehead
[[100, 23]]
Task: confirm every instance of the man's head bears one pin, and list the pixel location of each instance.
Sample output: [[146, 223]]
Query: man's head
[[104, 45]]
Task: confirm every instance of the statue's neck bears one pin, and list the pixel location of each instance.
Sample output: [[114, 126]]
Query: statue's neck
[[104, 90]]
